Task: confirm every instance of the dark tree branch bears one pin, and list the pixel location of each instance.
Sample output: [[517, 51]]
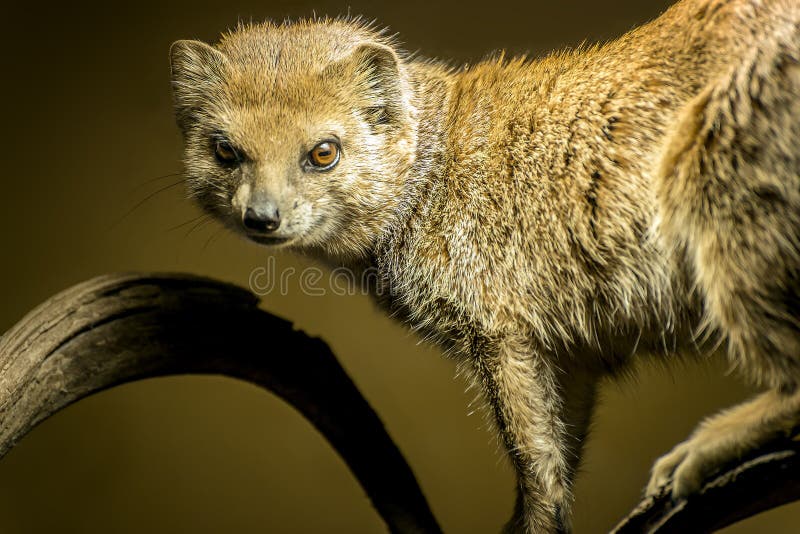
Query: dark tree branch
[[766, 479], [119, 328]]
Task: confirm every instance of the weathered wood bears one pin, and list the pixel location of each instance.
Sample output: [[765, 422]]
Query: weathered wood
[[766, 479], [120, 328]]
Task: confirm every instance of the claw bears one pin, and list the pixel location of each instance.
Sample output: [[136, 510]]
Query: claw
[[688, 477], [664, 468]]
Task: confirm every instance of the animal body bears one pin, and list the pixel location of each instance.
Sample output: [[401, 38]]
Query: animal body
[[543, 220]]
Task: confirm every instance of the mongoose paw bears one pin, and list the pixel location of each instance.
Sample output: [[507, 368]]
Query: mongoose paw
[[724, 439], [690, 463], [663, 469]]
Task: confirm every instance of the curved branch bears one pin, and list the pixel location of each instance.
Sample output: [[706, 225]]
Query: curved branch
[[764, 480], [119, 328]]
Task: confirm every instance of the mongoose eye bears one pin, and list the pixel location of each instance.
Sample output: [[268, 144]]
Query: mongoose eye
[[324, 156], [225, 153]]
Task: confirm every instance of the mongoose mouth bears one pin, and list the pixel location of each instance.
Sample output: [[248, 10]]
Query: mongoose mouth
[[267, 240]]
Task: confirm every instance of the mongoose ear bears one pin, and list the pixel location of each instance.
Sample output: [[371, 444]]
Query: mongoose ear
[[380, 75], [196, 69]]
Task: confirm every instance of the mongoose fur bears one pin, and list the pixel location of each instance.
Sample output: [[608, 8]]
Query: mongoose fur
[[543, 220]]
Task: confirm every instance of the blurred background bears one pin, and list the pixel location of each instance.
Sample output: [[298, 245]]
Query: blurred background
[[91, 185]]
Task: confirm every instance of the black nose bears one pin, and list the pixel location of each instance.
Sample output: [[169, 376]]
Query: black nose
[[263, 218]]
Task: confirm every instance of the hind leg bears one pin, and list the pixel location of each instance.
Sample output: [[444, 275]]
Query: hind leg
[[724, 438], [729, 197]]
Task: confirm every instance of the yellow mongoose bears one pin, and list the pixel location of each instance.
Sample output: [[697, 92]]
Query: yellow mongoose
[[543, 220]]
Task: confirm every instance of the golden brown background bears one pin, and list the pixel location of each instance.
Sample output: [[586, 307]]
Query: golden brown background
[[87, 123]]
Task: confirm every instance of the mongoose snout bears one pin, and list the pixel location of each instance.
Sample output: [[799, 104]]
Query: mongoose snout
[[262, 218]]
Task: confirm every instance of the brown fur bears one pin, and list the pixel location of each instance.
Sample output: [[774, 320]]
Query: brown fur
[[543, 220]]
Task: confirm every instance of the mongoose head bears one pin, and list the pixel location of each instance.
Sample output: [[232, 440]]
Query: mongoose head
[[297, 135]]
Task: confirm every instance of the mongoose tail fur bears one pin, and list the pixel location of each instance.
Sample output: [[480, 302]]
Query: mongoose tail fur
[[542, 220]]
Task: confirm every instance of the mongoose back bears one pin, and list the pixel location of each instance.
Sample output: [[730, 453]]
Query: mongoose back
[[544, 220]]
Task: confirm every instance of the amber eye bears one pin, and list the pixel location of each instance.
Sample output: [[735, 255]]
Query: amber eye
[[225, 153], [325, 155]]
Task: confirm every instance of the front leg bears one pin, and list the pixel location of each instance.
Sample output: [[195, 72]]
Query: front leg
[[542, 415]]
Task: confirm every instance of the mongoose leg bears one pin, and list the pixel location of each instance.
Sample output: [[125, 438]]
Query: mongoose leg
[[723, 438], [542, 427], [729, 189]]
